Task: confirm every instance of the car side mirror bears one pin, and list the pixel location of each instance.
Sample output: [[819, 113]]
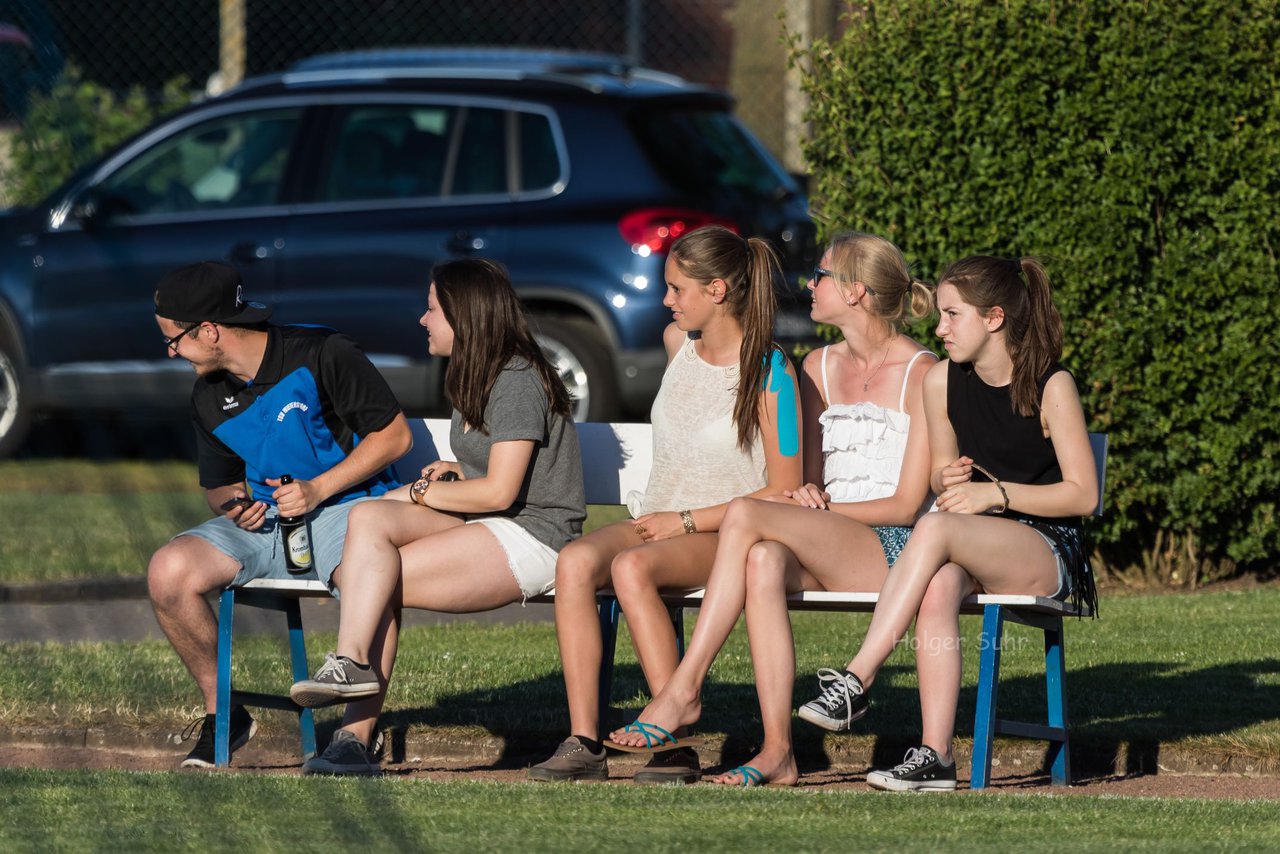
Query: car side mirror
[[95, 208]]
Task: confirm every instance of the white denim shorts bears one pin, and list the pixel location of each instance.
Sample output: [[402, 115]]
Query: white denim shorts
[[531, 561]]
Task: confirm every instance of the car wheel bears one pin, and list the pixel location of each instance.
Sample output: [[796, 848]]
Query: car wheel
[[15, 407], [577, 351]]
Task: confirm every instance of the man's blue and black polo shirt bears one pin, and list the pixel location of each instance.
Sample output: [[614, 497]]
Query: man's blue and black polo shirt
[[313, 399]]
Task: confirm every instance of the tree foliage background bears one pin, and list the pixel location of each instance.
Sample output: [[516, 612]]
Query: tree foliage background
[[1135, 148]]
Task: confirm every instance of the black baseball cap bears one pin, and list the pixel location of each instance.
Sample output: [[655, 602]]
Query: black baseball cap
[[207, 291]]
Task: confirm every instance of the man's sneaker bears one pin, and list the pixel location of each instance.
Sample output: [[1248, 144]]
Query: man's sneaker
[[345, 754], [243, 727], [842, 702], [677, 767], [572, 760], [921, 771], [339, 680]]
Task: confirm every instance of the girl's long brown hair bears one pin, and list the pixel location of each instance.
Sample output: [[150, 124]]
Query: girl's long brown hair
[[1032, 325], [489, 330], [748, 268]]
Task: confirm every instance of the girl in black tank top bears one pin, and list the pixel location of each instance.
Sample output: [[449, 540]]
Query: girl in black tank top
[[1013, 471]]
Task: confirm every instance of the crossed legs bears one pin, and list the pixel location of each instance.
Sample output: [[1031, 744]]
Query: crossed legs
[[947, 557], [767, 549]]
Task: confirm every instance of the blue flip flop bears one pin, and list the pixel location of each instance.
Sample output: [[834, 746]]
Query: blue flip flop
[[656, 739], [750, 776]]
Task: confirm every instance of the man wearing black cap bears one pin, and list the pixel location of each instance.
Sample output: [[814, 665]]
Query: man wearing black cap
[[268, 401]]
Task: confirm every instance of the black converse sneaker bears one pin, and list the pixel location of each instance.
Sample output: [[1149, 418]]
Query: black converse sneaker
[[921, 771], [243, 727], [842, 702], [339, 680]]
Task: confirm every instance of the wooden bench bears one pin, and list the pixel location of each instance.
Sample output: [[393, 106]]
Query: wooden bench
[[616, 460]]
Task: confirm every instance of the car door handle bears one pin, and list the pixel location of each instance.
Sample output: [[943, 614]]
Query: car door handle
[[464, 243], [248, 253]]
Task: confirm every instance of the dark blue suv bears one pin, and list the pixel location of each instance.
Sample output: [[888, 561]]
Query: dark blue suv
[[335, 187]]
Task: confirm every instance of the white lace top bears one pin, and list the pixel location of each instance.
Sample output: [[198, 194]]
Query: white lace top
[[863, 444], [696, 458]]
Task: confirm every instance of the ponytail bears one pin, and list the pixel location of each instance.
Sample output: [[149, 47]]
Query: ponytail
[[1038, 343], [749, 269], [759, 306], [920, 299]]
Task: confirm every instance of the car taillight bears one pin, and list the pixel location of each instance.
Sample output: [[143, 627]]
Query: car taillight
[[653, 230]]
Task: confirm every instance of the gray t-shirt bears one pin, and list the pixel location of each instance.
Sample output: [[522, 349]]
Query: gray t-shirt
[[551, 505]]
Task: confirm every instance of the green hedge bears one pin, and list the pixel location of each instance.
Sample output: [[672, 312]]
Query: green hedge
[[76, 122], [1135, 147]]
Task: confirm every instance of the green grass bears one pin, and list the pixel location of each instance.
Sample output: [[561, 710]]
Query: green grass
[[1199, 672], [64, 520], [67, 811]]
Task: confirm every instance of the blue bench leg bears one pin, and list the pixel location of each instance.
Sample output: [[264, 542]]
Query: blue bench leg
[[298, 656], [984, 723], [222, 710], [677, 623], [1055, 669], [609, 611]]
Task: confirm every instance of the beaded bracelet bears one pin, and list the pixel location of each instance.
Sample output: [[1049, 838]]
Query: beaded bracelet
[[999, 486]]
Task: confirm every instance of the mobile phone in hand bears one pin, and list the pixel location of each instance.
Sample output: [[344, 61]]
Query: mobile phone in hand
[[231, 503]]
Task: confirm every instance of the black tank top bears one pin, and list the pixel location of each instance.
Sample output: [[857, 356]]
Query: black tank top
[[1013, 447]]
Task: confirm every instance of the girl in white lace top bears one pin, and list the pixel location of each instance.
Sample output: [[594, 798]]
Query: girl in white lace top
[[865, 441], [726, 423]]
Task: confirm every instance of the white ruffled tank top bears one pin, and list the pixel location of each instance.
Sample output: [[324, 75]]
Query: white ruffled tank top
[[696, 458], [863, 444]]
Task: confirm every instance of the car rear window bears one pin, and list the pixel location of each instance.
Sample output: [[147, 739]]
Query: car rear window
[[706, 152]]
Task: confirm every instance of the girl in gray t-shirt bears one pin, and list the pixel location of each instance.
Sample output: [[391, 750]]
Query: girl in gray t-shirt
[[470, 535]]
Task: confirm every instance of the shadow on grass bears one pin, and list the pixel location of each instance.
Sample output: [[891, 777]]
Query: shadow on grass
[[1119, 714]]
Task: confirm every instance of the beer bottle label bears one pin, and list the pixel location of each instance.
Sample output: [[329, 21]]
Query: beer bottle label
[[299, 545]]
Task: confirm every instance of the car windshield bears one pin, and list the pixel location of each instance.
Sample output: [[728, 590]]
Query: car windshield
[[705, 152]]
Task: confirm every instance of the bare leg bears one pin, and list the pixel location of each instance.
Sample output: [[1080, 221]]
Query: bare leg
[[180, 575], [1002, 555], [638, 575], [581, 570], [371, 566], [772, 570], [836, 553], [462, 569], [938, 655]]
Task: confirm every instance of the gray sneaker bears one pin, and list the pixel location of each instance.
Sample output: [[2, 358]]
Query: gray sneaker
[[571, 761], [339, 680], [344, 755]]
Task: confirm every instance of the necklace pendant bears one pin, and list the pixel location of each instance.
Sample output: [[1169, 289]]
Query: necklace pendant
[[866, 385]]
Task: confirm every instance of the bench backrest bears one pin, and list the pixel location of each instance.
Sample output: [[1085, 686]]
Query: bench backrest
[[616, 457]]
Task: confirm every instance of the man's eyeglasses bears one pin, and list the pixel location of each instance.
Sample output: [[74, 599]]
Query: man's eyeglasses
[[172, 343], [819, 272]]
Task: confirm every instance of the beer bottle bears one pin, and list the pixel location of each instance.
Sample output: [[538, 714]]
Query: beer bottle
[[296, 539]]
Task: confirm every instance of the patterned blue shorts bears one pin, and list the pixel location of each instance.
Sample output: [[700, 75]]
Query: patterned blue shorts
[[892, 539]]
